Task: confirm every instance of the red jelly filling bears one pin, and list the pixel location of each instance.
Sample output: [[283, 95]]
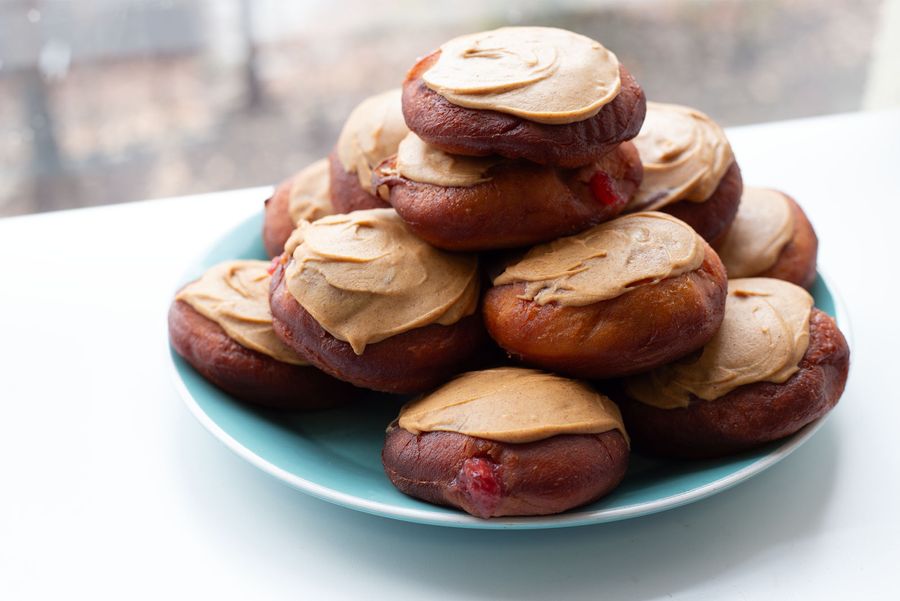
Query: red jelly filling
[[479, 481], [603, 189]]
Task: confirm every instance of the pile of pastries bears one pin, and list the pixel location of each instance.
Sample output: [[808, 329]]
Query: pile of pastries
[[556, 269]]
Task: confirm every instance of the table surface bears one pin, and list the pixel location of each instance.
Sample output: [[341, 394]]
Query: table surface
[[111, 489]]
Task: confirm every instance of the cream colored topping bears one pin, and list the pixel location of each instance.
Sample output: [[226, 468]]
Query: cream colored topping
[[762, 228], [763, 337], [365, 277], [685, 155], [421, 162], [310, 195], [235, 295], [371, 134], [293, 241], [512, 404], [607, 260], [541, 74]]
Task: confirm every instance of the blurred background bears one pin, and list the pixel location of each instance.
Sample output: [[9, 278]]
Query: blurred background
[[107, 101]]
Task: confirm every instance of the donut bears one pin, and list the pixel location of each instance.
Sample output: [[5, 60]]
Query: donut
[[541, 94], [623, 297], [221, 325], [364, 300], [464, 203], [689, 170], [508, 442], [370, 135], [771, 237], [776, 365], [306, 195]]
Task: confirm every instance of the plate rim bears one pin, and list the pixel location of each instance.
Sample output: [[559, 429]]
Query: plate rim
[[462, 520]]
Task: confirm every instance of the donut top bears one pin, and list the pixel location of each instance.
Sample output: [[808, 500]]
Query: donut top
[[685, 154], [541, 74], [235, 295], [763, 337], [421, 162], [607, 260], [762, 228], [365, 277], [370, 135], [310, 195], [512, 404]]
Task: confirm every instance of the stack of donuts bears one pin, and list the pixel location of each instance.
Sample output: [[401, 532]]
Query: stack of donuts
[[555, 270]]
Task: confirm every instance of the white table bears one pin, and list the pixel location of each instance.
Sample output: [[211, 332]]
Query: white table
[[110, 489]]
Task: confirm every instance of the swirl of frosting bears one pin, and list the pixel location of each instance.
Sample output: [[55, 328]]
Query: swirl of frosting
[[365, 277], [310, 195], [421, 162], [607, 260], [371, 134], [762, 228], [541, 74], [685, 155], [763, 338], [235, 295], [512, 404]]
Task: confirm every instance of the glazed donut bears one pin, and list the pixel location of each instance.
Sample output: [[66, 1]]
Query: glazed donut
[[567, 109], [771, 237], [689, 170], [508, 442], [306, 195], [474, 203], [620, 298], [776, 365], [370, 135], [227, 337], [364, 300]]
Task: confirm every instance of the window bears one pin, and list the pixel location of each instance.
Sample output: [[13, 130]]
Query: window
[[111, 101]]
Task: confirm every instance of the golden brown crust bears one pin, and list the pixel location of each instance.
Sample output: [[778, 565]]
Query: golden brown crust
[[460, 130], [277, 222], [522, 204], [346, 193], [713, 217], [752, 414], [246, 374], [797, 261], [649, 326], [411, 362], [536, 478]]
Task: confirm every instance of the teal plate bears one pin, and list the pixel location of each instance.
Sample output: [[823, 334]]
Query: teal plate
[[336, 455]]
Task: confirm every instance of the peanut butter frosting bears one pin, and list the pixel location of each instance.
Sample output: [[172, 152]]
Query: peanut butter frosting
[[762, 228], [512, 404], [422, 162], [607, 260], [364, 277], [763, 338], [370, 135], [235, 295], [685, 155], [541, 74], [310, 195]]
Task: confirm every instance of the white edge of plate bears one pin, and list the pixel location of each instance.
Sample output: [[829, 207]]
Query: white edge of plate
[[568, 519]]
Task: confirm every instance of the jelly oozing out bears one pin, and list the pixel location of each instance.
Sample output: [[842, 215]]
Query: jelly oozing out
[[479, 481], [603, 189]]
